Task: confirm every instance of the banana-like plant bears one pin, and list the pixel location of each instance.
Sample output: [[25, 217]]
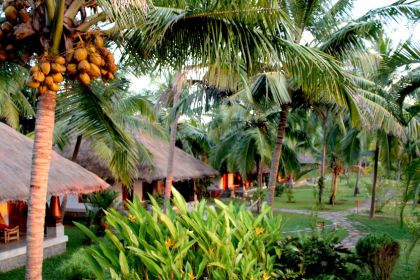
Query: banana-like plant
[[221, 242]]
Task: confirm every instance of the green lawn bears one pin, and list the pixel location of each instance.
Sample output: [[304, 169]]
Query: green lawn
[[292, 221], [51, 265], [403, 269], [305, 197]]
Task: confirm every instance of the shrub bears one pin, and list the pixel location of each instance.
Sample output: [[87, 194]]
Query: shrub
[[315, 257], [75, 267], [222, 242], [96, 204], [379, 252], [279, 190]]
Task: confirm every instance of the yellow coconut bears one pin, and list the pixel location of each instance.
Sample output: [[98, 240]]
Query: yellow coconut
[[84, 78], [38, 76], [57, 68], [57, 77], [11, 13], [83, 66], [49, 81], [112, 67], [91, 49], [110, 76], [95, 58], [33, 84], [99, 41], [104, 72], [80, 54], [46, 68], [72, 68], [54, 87], [94, 71], [60, 60]]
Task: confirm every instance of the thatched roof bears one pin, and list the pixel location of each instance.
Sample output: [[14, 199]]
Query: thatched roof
[[15, 170], [185, 166]]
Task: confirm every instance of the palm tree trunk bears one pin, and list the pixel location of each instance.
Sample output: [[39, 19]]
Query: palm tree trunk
[[334, 185], [259, 172], [177, 89], [41, 158], [277, 154], [321, 181], [356, 187], [73, 158], [375, 179]]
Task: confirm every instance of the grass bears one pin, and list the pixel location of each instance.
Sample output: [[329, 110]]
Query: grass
[[293, 221], [51, 265], [404, 269], [305, 197]]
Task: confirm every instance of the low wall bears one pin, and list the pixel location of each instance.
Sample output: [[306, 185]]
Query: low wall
[[16, 257]]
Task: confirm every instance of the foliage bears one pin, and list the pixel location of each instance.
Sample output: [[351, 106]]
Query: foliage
[[107, 117], [258, 196], [75, 267], [96, 204], [225, 242], [379, 252], [278, 192], [14, 102], [315, 257], [413, 227]]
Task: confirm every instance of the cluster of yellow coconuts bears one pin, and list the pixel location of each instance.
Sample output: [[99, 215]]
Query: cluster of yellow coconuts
[[88, 61], [48, 74], [16, 13]]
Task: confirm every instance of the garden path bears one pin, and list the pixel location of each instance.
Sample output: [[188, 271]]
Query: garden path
[[340, 220]]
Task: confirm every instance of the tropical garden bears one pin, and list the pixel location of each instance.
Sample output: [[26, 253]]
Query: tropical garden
[[313, 109]]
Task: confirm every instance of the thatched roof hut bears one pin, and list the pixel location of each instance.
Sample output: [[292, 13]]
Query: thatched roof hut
[[185, 166], [15, 170]]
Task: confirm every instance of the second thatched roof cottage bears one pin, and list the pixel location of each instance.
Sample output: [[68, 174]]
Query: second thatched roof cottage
[[150, 178]]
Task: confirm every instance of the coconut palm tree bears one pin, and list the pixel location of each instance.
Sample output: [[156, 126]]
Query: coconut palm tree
[[62, 23], [262, 31], [326, 22], [394, 87], [243, 140]]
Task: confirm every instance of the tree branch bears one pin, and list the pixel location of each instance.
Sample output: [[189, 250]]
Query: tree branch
[[73, 8], [92, 21], [49, 4]]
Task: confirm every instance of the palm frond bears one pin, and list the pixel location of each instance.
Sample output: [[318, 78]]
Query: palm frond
[[13, 102]]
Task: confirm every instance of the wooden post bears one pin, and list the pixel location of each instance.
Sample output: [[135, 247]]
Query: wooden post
[[195, 190], [357, 202]]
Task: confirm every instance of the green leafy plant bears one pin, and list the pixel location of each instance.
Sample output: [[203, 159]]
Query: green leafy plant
[[289, 194], [315, 257], [279, 189], [221, 242], [258, 197], [379, 252], [96, 204], [413, 227]]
